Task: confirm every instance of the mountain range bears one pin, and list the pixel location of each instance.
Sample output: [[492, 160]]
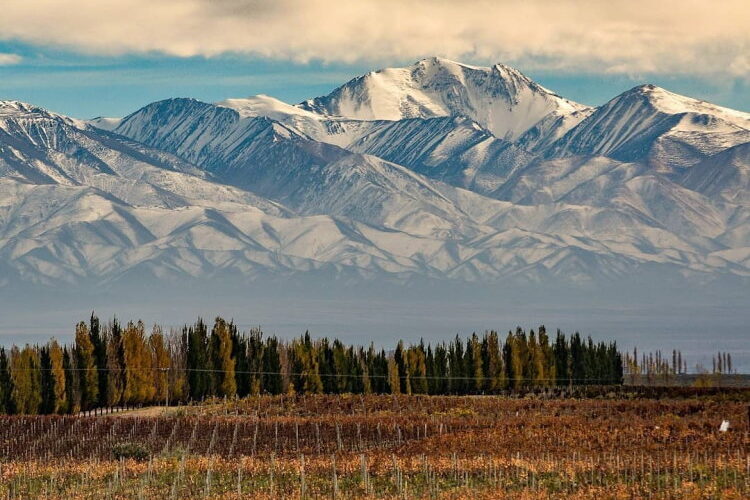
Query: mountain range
[[439, 170]]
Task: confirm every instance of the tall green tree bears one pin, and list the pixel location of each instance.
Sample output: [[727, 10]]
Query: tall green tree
[[200, 380], [442, 383], [243, 355], [47, 382], [99, 341], [399, 357], [577, 361], [475, 362], [72, 383], [6, 384], [457, 376], [272, 379], [115, 365]]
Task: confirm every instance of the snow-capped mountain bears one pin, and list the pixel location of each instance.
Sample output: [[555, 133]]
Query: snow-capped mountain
[[500, 99], [648, 123], [438, 170], [455, 150], [723, 176]]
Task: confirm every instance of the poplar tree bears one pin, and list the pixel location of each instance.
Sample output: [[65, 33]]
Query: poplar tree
[[327, 367], [456, 373], [88, 376], [6, 384], [394, 380], [48, 382], [562, 359], [99, 341], [115, 365], [247, 362], [512, 351], [442, 384], [72, 383], [224, 362], [431, 376], [577, 364], [139, 386], [366, 385], [196, 341], [272, 378], [417, 369], [399, 357], [494, 364], [356, 385], [548, 358], [306, 355], [161, 364], [342, 376], [474, 348], [535, 373], [178, 385], [26, 375], [58, 374]]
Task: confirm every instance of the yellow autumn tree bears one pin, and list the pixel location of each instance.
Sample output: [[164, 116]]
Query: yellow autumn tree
[[178, 387], [224, 362], [417, 370], [161, 363], [86, 363], [393, 378], [25, 371], [139, 387], [58, 375]]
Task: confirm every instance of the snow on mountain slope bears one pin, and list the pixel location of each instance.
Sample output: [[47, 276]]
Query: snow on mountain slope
[[276, 162], [499, 98], [76, 234], [453, 225], [105, 123], [648, 123], [724, 176], [72, 234], [642, 198], [331, 130], [453, 150], [439, 170], [45, 148]]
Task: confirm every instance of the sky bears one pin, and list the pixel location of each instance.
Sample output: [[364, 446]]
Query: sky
[[90, 58]]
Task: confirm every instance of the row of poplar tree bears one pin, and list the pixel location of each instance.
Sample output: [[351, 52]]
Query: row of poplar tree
[[112, 365]]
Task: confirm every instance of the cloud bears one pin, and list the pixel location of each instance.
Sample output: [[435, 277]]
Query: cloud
[[8, 59], [616, 36]]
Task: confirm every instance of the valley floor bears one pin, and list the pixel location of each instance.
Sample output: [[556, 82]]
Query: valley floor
[[353, 446]]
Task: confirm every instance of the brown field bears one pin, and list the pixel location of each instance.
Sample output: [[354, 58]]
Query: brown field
[[386, 447]]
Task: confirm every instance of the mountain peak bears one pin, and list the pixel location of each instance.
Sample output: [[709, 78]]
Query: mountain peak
[[499, 98], [264, 105], [669, 102], [11, 107]]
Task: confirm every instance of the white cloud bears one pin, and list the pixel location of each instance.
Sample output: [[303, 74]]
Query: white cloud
[[8, 59], [616, 36]]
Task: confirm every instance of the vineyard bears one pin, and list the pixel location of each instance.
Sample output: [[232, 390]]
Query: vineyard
[[352, 446]]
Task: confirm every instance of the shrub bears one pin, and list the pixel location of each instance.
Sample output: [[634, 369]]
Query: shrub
[[135, 451]]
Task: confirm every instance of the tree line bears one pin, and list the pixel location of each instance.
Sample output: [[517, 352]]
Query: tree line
[[114, 364]]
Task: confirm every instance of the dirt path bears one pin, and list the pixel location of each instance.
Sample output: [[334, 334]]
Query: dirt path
[[148, 411]]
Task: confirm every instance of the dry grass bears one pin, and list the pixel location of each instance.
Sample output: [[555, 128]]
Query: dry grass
[[387, 447]]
